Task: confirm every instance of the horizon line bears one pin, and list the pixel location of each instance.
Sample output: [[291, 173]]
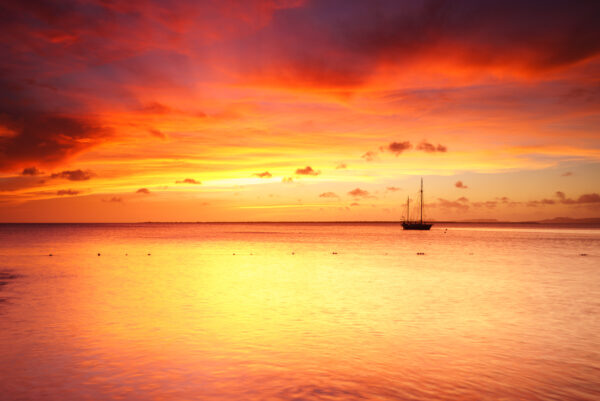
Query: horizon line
[[555, 220]]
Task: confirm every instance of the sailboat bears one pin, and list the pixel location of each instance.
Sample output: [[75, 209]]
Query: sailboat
[[417, 224]]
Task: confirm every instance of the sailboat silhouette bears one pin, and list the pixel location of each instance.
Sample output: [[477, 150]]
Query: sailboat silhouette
[[416, 224]]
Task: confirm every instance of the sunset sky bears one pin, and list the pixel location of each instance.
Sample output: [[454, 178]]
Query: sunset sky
[[298, 110]]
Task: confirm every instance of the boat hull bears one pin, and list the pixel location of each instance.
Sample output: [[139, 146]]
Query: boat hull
[[416, 226]]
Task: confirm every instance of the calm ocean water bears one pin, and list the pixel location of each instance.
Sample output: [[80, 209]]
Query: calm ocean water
[[269, 312]]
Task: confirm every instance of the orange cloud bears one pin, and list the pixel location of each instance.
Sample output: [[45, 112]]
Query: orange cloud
[[307, 171], [188, 181]]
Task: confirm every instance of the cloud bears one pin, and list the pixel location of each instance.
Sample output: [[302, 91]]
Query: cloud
[[355, 204], [398, 147], [264, 174], [157, 133], [341, 166], [73, 175], [359, 193], [343, 43], [62, 192], [431, 148], [328, 195], [370, 156], [307, 171], [447, 204], [583, 199], [31, 171], [463, 199], [145, 191], [393, 189], [542, 202], [589, 198], [45, 138], [156, 108], [188, 181], [114, 199], [459, 184], [287, 180], [567, 174], [488, 204]]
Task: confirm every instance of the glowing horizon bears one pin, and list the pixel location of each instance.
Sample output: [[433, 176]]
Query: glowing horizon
[[280, 110]]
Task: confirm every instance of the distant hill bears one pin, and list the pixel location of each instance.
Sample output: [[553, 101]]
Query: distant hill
[[568, 220]]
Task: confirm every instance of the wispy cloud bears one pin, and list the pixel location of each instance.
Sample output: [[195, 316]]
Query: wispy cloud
[[73, 175], [63, 192], [114, 199], [359, 193], [431, 148], [370, 156], [188, 181], [264, 174]]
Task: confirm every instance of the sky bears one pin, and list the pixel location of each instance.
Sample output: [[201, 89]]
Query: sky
[[298, 110]]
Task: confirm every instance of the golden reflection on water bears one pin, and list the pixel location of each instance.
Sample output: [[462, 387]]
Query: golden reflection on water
[[269, 312]]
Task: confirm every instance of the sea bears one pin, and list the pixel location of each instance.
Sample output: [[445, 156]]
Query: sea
[[299, 311]]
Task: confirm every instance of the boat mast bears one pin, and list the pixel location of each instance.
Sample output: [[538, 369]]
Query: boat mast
[[421, 200], [408, 209]]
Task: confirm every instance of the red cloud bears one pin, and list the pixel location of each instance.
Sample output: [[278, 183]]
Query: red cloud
[[264, 174], [31, 171], [307, 171], [45, 138], [398, 147], [188, 181], [359, 193], [431, 148], [145, 191], [459, 184]]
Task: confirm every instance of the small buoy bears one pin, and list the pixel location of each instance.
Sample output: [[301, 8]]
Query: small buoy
[[583, 254], [149, 254], [334, 253], [293, 253], [98, 253], [233, 254], [420, 253], [49, 254]]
